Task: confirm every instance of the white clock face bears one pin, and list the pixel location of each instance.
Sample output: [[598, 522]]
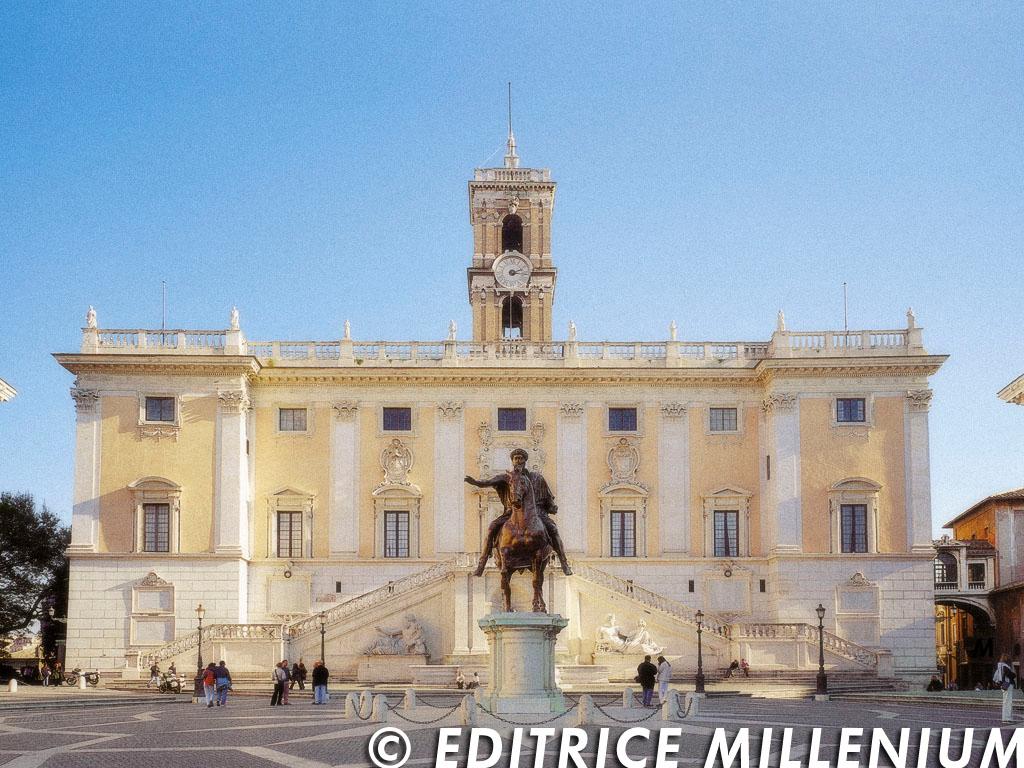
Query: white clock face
[[512, 272]]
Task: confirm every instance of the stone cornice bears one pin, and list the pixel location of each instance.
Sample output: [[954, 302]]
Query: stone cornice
[[855, 367], [164, 365]]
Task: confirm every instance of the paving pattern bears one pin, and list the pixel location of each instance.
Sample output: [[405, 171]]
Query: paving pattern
[[249, 733]]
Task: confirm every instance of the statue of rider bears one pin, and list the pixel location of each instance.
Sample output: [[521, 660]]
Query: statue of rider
[[545, 506]]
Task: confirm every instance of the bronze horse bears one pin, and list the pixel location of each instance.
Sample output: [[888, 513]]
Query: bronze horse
[[523, 543]]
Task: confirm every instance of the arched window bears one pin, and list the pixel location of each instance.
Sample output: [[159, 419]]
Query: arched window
[[945, 569], [512, 233], [512, 318]]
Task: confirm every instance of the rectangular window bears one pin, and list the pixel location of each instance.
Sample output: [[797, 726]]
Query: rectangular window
[[160, 409], [623, 534], [156, 527], [727, 543], [396, 534], [689, 585], [850, 409], [855, 527], [291, 420], [723, 420], [622, 419], [761, 585], [398, 419], [337, 587], [975, 575], [289, 534], [511, 419]]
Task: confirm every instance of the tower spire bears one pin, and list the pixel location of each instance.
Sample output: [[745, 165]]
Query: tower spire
[[511, 158]]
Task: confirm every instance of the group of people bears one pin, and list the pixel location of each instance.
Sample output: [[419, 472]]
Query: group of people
[[216, 684], [650, 676], [1003, 678], [462, 684], [55, 673], [741, 665], [285, 678]]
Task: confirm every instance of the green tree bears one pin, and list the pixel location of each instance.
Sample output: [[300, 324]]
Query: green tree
[[32, 560]]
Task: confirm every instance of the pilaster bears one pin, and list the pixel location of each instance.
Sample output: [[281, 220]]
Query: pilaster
[[462, 617], [783, 411], [918, 472], [449, 471], [674, 475], [572, 476], [232, 483], [344, 523], [85, 514]]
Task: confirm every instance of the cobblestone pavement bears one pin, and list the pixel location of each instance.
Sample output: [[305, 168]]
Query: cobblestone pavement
[[249, 733]]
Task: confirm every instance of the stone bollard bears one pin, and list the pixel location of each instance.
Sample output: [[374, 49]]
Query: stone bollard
[[409, 704], [693, 701], [467, 711], [365, 702], [670, 706], [12, 686], [478, 695], [351, 705], [585, 710], [82, 682], [627, 698], [379, 713]]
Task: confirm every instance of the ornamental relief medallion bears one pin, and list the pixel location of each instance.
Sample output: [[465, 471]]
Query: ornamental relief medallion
[[623, 462], [396, 461]]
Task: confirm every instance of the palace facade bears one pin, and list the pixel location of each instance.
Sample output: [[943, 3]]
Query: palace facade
[[307, 492]]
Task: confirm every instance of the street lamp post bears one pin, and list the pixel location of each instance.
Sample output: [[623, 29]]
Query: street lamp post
[[699, 680], [198, 686], [323, 631], [822, 682]]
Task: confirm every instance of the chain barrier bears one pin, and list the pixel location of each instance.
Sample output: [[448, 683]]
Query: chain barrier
[[532, 722], [601, 709], [421, 699], [425, 722]]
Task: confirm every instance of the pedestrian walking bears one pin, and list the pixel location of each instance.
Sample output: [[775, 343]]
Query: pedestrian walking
[[287, 680], [58, 673], [298, 675], [664, 678], [209, 683], [1005, 678], [154, 675], [732, 668], [223, 675], [280, 677], [647, 675], [320, 677], [46, 674]]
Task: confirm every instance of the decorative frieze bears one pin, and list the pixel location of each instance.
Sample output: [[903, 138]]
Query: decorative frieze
[[86, 400], [779, 401], [450, 409], [673, 410], [571, 410], [345, 410], [919, 400], [159, 432]]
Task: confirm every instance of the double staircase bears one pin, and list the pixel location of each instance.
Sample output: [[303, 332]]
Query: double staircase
[[726, 635]]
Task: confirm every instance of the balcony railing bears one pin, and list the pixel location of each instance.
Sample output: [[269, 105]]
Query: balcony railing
[[451, 352]]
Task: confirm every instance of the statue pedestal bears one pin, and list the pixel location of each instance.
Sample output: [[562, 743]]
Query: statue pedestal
[[522, 664], [389, 669]]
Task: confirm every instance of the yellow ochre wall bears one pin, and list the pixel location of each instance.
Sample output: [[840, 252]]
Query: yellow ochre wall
[[980, 525], [829, 454], [188, 462]]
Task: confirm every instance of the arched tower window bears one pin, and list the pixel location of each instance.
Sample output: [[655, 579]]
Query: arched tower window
[[512, 233], [945, 568], [512, 318]]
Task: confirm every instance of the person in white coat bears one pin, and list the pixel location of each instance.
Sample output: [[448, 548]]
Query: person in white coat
[[1005, 678], [664, 678]]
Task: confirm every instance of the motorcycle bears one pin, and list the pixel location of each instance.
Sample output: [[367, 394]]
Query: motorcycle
[[169, 683], [91, 678]]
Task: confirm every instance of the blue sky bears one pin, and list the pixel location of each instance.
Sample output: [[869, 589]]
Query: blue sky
[[715, 162]]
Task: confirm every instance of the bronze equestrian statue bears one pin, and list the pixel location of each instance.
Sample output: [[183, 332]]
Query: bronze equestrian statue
[[524, 536]]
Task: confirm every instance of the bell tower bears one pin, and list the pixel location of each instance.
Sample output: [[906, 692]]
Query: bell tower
[[511, 280]]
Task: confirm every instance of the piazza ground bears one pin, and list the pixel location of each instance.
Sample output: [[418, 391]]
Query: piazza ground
[[249, 733]]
